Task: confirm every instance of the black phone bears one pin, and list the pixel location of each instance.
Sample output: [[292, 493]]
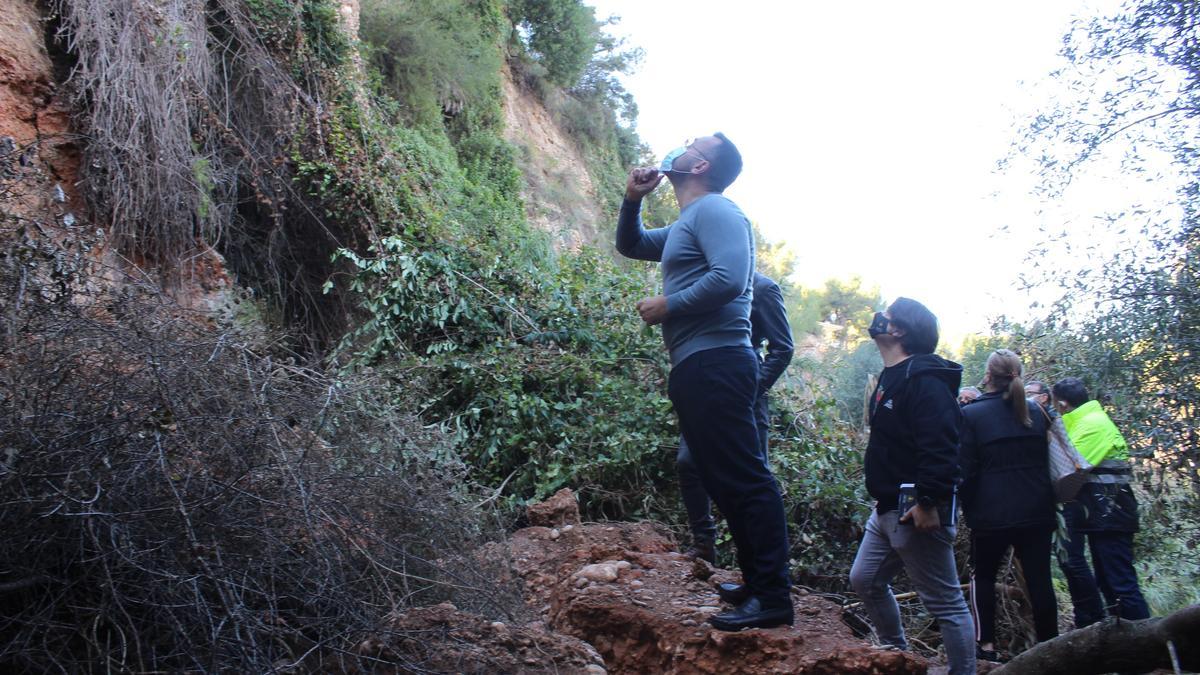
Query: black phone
[[946, 511], [908, 497]]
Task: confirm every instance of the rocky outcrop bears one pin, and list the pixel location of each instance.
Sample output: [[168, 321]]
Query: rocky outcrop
[[40, 196], [560, 509]]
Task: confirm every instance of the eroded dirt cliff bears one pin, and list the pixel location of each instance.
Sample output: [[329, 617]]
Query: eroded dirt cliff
[[559, 194], [40, 155], [34, 120]]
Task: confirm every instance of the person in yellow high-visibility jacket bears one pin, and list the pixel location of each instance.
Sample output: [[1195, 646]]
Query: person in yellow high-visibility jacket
[[1103, 515]]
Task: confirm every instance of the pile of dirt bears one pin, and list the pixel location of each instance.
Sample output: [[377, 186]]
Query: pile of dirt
[[625, 590]]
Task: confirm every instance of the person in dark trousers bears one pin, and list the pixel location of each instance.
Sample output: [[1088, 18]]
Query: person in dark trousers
[[1007, 497], [768, 324], [912, 472], [1103, 516], [707, 258]]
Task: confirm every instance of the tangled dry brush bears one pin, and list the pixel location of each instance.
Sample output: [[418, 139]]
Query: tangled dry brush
[[175, 497]]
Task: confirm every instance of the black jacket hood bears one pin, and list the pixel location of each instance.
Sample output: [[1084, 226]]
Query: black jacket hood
[[933, 365], [915, 424]]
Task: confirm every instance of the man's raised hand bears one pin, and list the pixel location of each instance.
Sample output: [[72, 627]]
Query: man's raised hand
[[642, 182]]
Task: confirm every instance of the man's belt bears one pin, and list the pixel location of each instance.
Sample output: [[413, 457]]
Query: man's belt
[[1111, 471]]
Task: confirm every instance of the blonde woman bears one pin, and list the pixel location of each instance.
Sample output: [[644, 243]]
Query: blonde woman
[[1008, 498]]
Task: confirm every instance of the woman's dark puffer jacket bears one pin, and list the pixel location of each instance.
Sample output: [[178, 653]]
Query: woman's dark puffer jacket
[[1006, 467]]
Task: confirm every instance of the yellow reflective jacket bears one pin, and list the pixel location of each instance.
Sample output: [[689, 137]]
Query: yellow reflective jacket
[[1094, 434]]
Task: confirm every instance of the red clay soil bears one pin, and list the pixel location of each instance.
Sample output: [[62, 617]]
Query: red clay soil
[[619, 598], [623, 588], [441, 639], [34, 115]]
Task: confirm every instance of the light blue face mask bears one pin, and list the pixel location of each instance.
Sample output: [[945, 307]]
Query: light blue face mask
[[668, 163]]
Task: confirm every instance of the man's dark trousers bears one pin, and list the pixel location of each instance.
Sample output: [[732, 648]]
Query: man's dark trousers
[[713, 392], [695, 499], [1112, 556]]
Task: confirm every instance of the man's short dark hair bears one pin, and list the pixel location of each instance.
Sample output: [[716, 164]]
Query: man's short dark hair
[[919, 324], [1071, 390], [725, 164]]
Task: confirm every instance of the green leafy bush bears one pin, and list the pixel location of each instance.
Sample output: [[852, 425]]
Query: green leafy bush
[[312, 25], [437, 57], [545, 375], [561, 33], [817, 459]]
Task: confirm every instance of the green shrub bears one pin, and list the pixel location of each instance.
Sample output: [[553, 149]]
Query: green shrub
[[817, 459], [546, 377], [562, 34], [1165, 548], [313, 24], [437, 57]]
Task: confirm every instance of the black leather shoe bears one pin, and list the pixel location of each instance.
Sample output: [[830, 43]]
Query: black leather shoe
[[734, 594], [752, 614]]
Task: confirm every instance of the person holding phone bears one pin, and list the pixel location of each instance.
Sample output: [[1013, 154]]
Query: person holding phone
[[912, 471]]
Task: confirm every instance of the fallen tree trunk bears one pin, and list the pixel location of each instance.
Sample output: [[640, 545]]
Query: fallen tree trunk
[[1171, 642]]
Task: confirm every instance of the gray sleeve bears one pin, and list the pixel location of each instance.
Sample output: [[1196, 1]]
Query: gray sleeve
[[635, 241]]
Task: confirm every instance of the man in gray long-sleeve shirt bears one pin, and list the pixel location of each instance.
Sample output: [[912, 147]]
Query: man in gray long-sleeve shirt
[[707, 260]]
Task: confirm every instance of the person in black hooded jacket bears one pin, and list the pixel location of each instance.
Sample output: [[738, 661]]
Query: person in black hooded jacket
[[1008, 498], [914, 433], [915, 421]]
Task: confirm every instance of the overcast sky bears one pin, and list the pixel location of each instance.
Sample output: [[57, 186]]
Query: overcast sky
[[870, 130]]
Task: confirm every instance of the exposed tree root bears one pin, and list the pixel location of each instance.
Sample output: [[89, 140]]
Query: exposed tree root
[[1117, 646]]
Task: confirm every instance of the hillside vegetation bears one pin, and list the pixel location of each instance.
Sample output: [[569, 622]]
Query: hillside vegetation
[[401, 361], [303, 354]]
